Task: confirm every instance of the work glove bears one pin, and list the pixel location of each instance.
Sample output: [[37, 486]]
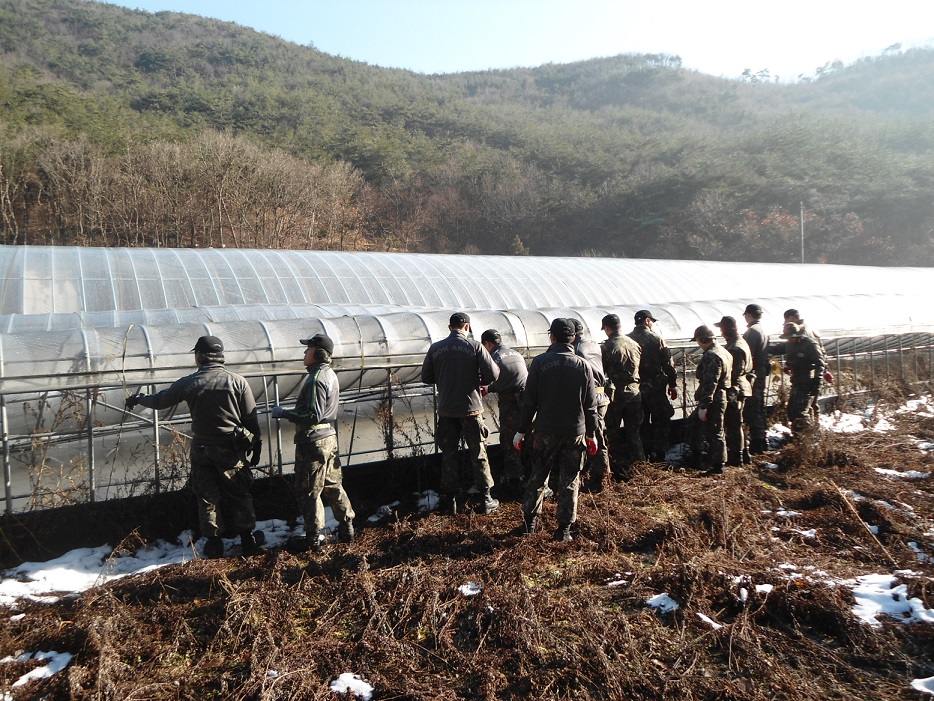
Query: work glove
[[787, 371], [256, 451], [591, 445], [278, 412], [517, 441], [828, 377], [672, 392], [131, 402], [702, 414], [484, 391]]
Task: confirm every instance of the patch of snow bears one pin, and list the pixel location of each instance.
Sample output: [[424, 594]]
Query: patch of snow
[[712, 623], [663, 603], [350, 683], [55, 663], [877, 594], [924, 685], [470, 589]]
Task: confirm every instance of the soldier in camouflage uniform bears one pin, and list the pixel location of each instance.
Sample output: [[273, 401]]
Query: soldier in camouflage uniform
[[560, 396], [658, 385], [226, 430], [621, 358], [508, 387], [598, 465], [318, 473], [706, 421], [807, 365], [737, 452], [754, 411]]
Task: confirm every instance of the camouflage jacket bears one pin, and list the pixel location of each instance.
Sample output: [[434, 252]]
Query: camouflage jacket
[[655, 366], [741, 374], [713, 375], [621, 358]]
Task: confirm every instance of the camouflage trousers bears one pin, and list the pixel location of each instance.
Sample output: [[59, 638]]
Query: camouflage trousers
[[623, 426], [733, 428], [709, 431], [318, 479], [754, 412], [220, 473], [656, 417], [509, 407], [448, 437], [800, 407], [562, 457]]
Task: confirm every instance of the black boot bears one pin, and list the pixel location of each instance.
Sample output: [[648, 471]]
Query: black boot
[[345, 532], [448, 504], [747, 458], [733, 459], [249, 543], [563, 534], [716, 469], [757, 446], [489, 504], [530, 523], [214, 547]]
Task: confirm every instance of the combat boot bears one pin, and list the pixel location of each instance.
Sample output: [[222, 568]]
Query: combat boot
[[733, 459], [214, 547], [563, 534], [747, 458], [489, 504], [530, 523], [249, 543], [345, 532], [715, 469], [448, 504]]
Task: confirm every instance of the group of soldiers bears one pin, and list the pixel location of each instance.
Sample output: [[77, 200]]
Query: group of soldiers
[[580, 409]]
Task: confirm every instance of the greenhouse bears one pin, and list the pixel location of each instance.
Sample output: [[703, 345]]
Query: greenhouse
[[81, 328]]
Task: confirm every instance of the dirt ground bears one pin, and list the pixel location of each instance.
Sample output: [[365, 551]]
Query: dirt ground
[[553, 620]]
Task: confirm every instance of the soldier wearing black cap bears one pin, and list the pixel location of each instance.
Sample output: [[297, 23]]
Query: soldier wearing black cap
[[805, 361], [226, 430], [706, 421], [318, 473], [658, 385], [560, 396], [459, 366], [737, 452], [508, 388], [621, 359], [754, 411]]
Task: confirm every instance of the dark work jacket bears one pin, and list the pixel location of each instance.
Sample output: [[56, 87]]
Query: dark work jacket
[[458, 366], [218, 400], [758, 342], [806, 361], [656, 369], [513, 371], [559, 394], [315, 413], [713, 376], [593, 354]]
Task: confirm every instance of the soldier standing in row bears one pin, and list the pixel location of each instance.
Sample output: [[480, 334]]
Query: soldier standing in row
[[459, 366], [807, 365], [658, 385], [737, 452], [755, 410], [508, 387], [226, 430], [706, 421], [560, 396], [598, 464], [621, 358], [318, 471]]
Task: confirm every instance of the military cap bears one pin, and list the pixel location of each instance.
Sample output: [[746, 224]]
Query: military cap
[[727, 322], [208, 344], [704, 334], [753, 309], [791, 330], [611, 320], [562, 329], [319, 340], [491, 336], [642, 315], [458, 319]]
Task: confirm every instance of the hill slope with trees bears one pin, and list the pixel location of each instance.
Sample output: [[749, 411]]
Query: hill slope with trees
[[120, 127]]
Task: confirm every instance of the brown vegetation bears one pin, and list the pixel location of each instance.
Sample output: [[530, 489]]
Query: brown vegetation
[[547, 624]]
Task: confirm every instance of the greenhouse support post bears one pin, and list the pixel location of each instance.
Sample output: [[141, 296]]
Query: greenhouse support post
[[7, 475], [157, 448], [92, 484]]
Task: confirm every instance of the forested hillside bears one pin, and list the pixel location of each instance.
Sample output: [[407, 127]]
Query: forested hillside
[[119, 127]]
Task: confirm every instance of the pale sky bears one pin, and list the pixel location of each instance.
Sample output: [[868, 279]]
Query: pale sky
[[717, 37]]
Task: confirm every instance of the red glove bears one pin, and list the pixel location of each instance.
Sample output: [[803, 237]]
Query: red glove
[[828, 377], [484, 391], [591, 445], [672, 392], [702, 414], [787, 371]]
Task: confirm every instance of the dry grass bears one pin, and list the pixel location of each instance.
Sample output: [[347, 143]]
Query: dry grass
[[546, 624]]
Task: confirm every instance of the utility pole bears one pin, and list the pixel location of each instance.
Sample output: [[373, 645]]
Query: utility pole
[[802, 232]]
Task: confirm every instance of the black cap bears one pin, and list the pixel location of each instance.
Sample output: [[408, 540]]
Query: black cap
[[578, 326], [209, 344], [704, 334], [753, 309], [319, 340], [610, 320], [458, 319], [642, 315], [562, 329], [491, 336], [727, 322]]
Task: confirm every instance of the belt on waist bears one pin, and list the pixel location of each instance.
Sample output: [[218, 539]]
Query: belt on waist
[[318, 427], [601, 390]]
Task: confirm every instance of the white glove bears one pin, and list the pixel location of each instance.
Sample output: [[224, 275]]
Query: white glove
[[702, 414], [517, 441], [278, 412]]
